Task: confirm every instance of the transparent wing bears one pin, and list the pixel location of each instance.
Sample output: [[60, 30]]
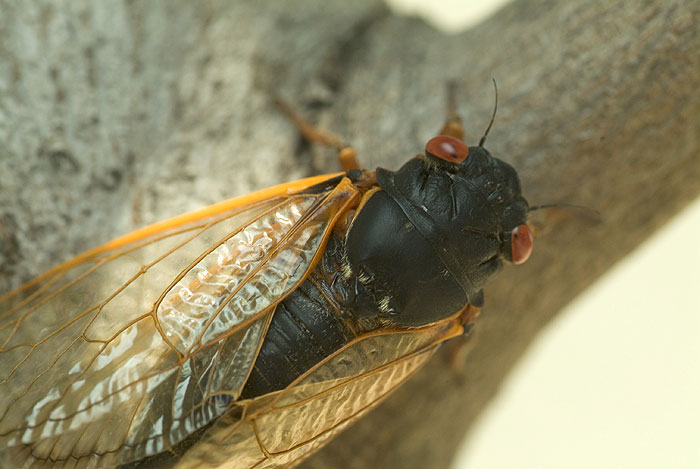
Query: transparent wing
[[127, 350], [281, 429]]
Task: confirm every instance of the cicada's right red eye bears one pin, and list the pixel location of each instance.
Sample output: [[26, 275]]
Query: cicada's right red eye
[[521, 241], [447, 148]]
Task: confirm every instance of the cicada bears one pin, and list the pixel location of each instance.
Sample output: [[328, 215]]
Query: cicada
[[249, 333]]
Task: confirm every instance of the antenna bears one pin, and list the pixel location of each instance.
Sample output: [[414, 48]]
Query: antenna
[[591, 214], [493, 117]]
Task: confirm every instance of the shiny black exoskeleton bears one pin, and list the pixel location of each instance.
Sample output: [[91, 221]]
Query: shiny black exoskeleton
[[438, 233]]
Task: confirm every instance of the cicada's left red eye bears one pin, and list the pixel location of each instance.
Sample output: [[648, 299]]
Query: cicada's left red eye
[[447, 148], [521, 241]]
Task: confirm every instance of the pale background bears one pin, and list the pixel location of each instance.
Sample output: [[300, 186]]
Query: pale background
[[614, 382]]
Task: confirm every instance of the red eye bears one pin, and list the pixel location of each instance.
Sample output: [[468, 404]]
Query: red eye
[[521, 241], [447, 148]]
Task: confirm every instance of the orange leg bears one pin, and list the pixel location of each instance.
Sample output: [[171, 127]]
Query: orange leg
[[453, 123], [346, 153], [459, 347]]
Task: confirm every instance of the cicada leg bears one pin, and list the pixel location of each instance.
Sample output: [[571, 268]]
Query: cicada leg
[[453, 123], [458, 350], [460, 347], [347, 156]]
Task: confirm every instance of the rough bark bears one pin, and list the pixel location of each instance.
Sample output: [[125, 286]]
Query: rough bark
[[116, 114]]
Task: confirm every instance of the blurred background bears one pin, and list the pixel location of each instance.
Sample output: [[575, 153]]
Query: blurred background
[[614, 381]]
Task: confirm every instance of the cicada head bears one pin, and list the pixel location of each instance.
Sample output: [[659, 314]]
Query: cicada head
[[468, 205]]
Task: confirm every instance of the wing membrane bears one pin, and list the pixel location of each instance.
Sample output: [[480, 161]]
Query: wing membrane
[[128, 350], [282, 428]]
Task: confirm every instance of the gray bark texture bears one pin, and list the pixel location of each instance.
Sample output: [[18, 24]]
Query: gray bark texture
[[114, 114]]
